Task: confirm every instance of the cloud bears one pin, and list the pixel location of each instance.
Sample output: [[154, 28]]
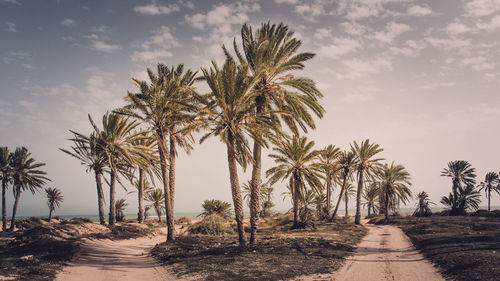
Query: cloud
[[392, 30], [420, 11], [493, 24], [154, 9], [480, 8], [157, 47], [223, 15], [411, 48], [30, 106], [340, 46], [14, 2], [322, 33], [457, 28], [102, 46], [286, 1], [353, 28], [68, 22], [360, 11], [477, 63], [360, 68], [11, 27], [11, 57], [448, 44]]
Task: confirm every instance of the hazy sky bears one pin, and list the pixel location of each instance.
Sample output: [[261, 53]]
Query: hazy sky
[[421, 78]]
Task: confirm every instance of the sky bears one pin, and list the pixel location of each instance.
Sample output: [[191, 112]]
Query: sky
[[420, 78]]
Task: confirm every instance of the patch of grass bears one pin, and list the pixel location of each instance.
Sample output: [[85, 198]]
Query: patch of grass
[[280, 253], [211, 225], [466, 248]]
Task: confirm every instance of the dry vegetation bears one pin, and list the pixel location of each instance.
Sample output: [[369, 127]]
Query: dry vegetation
[[280, 253]]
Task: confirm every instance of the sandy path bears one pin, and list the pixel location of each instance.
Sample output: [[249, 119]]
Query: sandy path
[[116, 260]]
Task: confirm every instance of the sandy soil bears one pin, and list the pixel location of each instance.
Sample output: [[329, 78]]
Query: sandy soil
[[116, 260], [385, 253]]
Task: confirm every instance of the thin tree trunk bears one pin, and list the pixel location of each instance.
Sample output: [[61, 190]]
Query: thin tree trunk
[[169, 214], [4, 207], [357, 219], [369, 209], [100, 197], [328, 195], [14, 209], [140, 196], [112, 207], [171, 171], [255, 191], [346, 204], [489, 198], [340, 198], [235, 189], [387, 207], [295, 210], [50, 214], [158, 212]]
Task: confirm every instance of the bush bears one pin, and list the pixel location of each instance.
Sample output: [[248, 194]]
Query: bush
[[76, 221], [216, 207], [28, 223], [210, 225], [183, 220]]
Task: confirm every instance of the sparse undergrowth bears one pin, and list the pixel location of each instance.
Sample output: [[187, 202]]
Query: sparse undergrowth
[[280, 253], [467, 248]]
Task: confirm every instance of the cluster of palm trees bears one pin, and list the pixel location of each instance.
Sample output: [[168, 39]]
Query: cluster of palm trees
[[19, 170]]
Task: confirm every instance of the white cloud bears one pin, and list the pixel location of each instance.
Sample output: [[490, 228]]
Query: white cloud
[[359, 68], [340, 46], [411, 48], [448, 44], [493, 24], [14, 56], [322, 33], [360, 11], [68, 22], [477, 63], [30, 106], [154, 9], [353, 28], [157, 47], [480, 8], [15, 2], [223, 15], [392, 30], [11, 27], [420, 11], [457, 28], [103, 46], [287, 1]]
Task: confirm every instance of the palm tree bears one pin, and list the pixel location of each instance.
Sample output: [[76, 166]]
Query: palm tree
[[365, 167], [349, 191], [462, 175], [119, 209], [216, 207], [272, 55], [295, 159], [491, 182], [320, 202], [229, 116], [143, 187], [394, 186], [161, 105], [328, 158], [467, 199], [347, 161], [423, 209], [370, 196], [25, 176], [54, 199], [6, 178], [92, 156], [157, 199]]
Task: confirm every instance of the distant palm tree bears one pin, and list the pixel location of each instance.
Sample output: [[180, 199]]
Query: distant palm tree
[[296, 161], [119, 209], [25, 176], [349, 191], [329, 161], [6, 178], [467, 199], [491, 182], [320, 205], [462, 175], [370, 195], [347, 161], [423, 209], [142, 190], [394, 186], [216, 207], [54, 199], [365, 167], [265, 196], [94, 159], [157, 198]]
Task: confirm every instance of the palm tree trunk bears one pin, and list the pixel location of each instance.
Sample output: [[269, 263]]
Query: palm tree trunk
[[255, 191], [50, 214], [455, 196], [357, 219], [169, 214], [14, 209], [340, 198], [386, 207], [140, 196], [369, 210], [171, 171], [489, 198], [100, 197], [235, 189], [158, 212], [4, 207], [112, 207], [328, 195], [295, 210], [346, 204]]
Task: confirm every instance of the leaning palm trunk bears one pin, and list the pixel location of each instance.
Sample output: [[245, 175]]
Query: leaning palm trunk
[[346, 204], [169, 213], [140, 196], [357, 219], [235, 189], [50, 213], [14, 209], [171, 169], [255, 191], [112, 207], [4, 207], [340, 198], [100, 197], [328, 195]]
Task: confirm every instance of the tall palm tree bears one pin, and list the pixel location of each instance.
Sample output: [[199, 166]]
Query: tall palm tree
[[25, 176], [296, 161], [462, 175], [157, 198], [6, 178], [272, 54], [347, 161], [328, 159], [394, 185], [349, 191], [491, 182], [93, 158], [365, 167], [161, 104], [229, 116], [54, 199]]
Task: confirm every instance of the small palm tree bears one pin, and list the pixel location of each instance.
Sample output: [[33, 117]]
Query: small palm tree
[[320, 205], [120, 208], [491, 183], [216, 207], [25, 176], [6, 178], [143, 187], [462, 175], [296, 161], [370, 196], [394, 186], [350, 191], [54, 199], [365, 167], [157, 199], [347, 161], [466, 199], [329, 160], [423, 209]]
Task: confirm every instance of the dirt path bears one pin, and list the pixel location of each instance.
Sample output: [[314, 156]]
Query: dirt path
[[116, 260]]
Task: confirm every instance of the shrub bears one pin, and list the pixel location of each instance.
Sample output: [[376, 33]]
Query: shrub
[[28, 223], [183, 220], [210, 225], [217, 207]]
